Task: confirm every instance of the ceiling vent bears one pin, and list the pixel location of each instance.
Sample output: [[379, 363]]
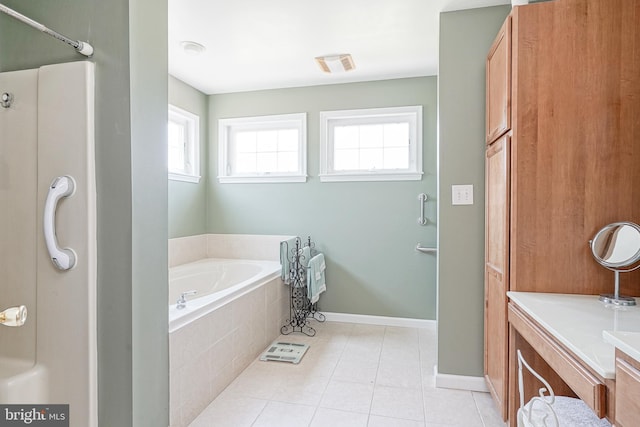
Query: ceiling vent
[[336, 63]]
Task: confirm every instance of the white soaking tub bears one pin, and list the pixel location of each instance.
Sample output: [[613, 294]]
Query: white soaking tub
[[216, 281]]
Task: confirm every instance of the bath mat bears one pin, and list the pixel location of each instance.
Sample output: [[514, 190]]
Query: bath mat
[[291, 352]]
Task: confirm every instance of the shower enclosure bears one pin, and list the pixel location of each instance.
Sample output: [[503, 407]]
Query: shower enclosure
[[48, 239]]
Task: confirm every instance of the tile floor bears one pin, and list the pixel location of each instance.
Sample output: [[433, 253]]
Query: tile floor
[[352, 375]]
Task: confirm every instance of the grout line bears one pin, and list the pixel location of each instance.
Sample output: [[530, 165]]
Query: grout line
[[375, 380], [475, 402], [259, 413], [424, 406]]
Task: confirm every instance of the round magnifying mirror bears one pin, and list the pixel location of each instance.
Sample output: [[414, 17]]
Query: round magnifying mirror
[[617, 247]]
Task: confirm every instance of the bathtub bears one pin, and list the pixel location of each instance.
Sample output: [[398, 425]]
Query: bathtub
[[216, 282], [238, 310]]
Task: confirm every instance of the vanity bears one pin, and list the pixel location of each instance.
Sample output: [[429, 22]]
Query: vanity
[[583, 347], [562, 153]]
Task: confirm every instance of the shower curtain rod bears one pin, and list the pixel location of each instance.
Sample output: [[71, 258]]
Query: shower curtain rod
[[82, 47]]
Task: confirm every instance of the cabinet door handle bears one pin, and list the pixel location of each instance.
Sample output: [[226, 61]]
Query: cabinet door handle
[[62, 186]]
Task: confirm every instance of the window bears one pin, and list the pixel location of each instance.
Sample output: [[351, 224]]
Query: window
[[184, 145], [379, 144], [263, 149]]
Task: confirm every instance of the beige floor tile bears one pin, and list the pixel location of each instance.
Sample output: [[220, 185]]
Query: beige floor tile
[[363, 330], [378, 421], [348, 396], [332, 330], [400, 353], [259, 381], [352, 375], [398, 373], [395, 402], [279, 414], [454, 407], [364, 371], [326, 417], [359, 348], [488, 410], [301, 389], [230, 411]]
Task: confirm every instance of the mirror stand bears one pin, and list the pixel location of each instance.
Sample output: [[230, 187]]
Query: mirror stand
[[617, 247], [616, 298]]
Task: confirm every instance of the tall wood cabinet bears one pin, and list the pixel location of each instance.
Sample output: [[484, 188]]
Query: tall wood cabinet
[[563, 155], [497, 267]]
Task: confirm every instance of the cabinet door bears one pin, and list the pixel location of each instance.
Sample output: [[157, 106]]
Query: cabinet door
[[499, 84], [497, 270], [627, 391]]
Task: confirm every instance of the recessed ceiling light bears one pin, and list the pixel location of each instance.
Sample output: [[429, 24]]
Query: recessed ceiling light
[[192, 48], [336, 63]]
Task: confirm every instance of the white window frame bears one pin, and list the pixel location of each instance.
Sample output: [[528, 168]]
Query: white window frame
[[410, 114], [227, 126], [191, 122]]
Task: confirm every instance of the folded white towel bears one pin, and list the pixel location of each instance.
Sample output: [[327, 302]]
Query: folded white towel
[[316, 282]]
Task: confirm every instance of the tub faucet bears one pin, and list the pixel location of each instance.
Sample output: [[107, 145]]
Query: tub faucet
[[14, 316], [182, 301]]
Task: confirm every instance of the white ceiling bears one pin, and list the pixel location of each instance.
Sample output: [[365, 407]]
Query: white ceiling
[[260, 44]]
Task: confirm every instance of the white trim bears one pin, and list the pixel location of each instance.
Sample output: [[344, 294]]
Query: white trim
[[372, 176], [192, 124], [225, 127], [374, 115], [461, 382], [185, 178], [379, 320], [263, 179]]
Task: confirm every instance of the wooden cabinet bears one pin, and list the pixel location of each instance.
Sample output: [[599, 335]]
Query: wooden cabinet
[[497, 268], [571, 96], [627, 391], [499, 84]]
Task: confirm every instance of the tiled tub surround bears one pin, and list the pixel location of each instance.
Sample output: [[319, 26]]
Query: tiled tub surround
[[236, 246], [209, 352]]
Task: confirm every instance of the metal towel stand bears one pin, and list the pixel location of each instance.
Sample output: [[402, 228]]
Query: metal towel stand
[[300, 307]]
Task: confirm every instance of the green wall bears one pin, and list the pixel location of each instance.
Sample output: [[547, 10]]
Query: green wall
[[187, 201], [367, 230], [129, 38], [465, 38]]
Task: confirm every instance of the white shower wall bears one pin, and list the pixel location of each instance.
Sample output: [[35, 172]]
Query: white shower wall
[[48, 132], [18, 227]]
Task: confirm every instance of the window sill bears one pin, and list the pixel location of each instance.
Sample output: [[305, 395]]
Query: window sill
[[184, 178], [261, 179], [376, 176]]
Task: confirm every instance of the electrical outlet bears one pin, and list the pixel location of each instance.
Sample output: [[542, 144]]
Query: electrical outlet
[[462, 194]]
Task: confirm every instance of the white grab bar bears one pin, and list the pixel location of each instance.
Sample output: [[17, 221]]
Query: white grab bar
[[424, 250], [422, 220], [62, 186]]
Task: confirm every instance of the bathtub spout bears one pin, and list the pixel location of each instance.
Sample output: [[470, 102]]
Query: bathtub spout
[[182, 301]]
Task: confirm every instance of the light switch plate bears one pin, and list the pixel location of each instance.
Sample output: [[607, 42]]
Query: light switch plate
[[462, 194]]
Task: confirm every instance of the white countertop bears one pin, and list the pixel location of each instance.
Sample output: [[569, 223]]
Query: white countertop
[[628, 342], [579, 322]]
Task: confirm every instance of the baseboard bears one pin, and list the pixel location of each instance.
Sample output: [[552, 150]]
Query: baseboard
[[461, 382], [379, 320]]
